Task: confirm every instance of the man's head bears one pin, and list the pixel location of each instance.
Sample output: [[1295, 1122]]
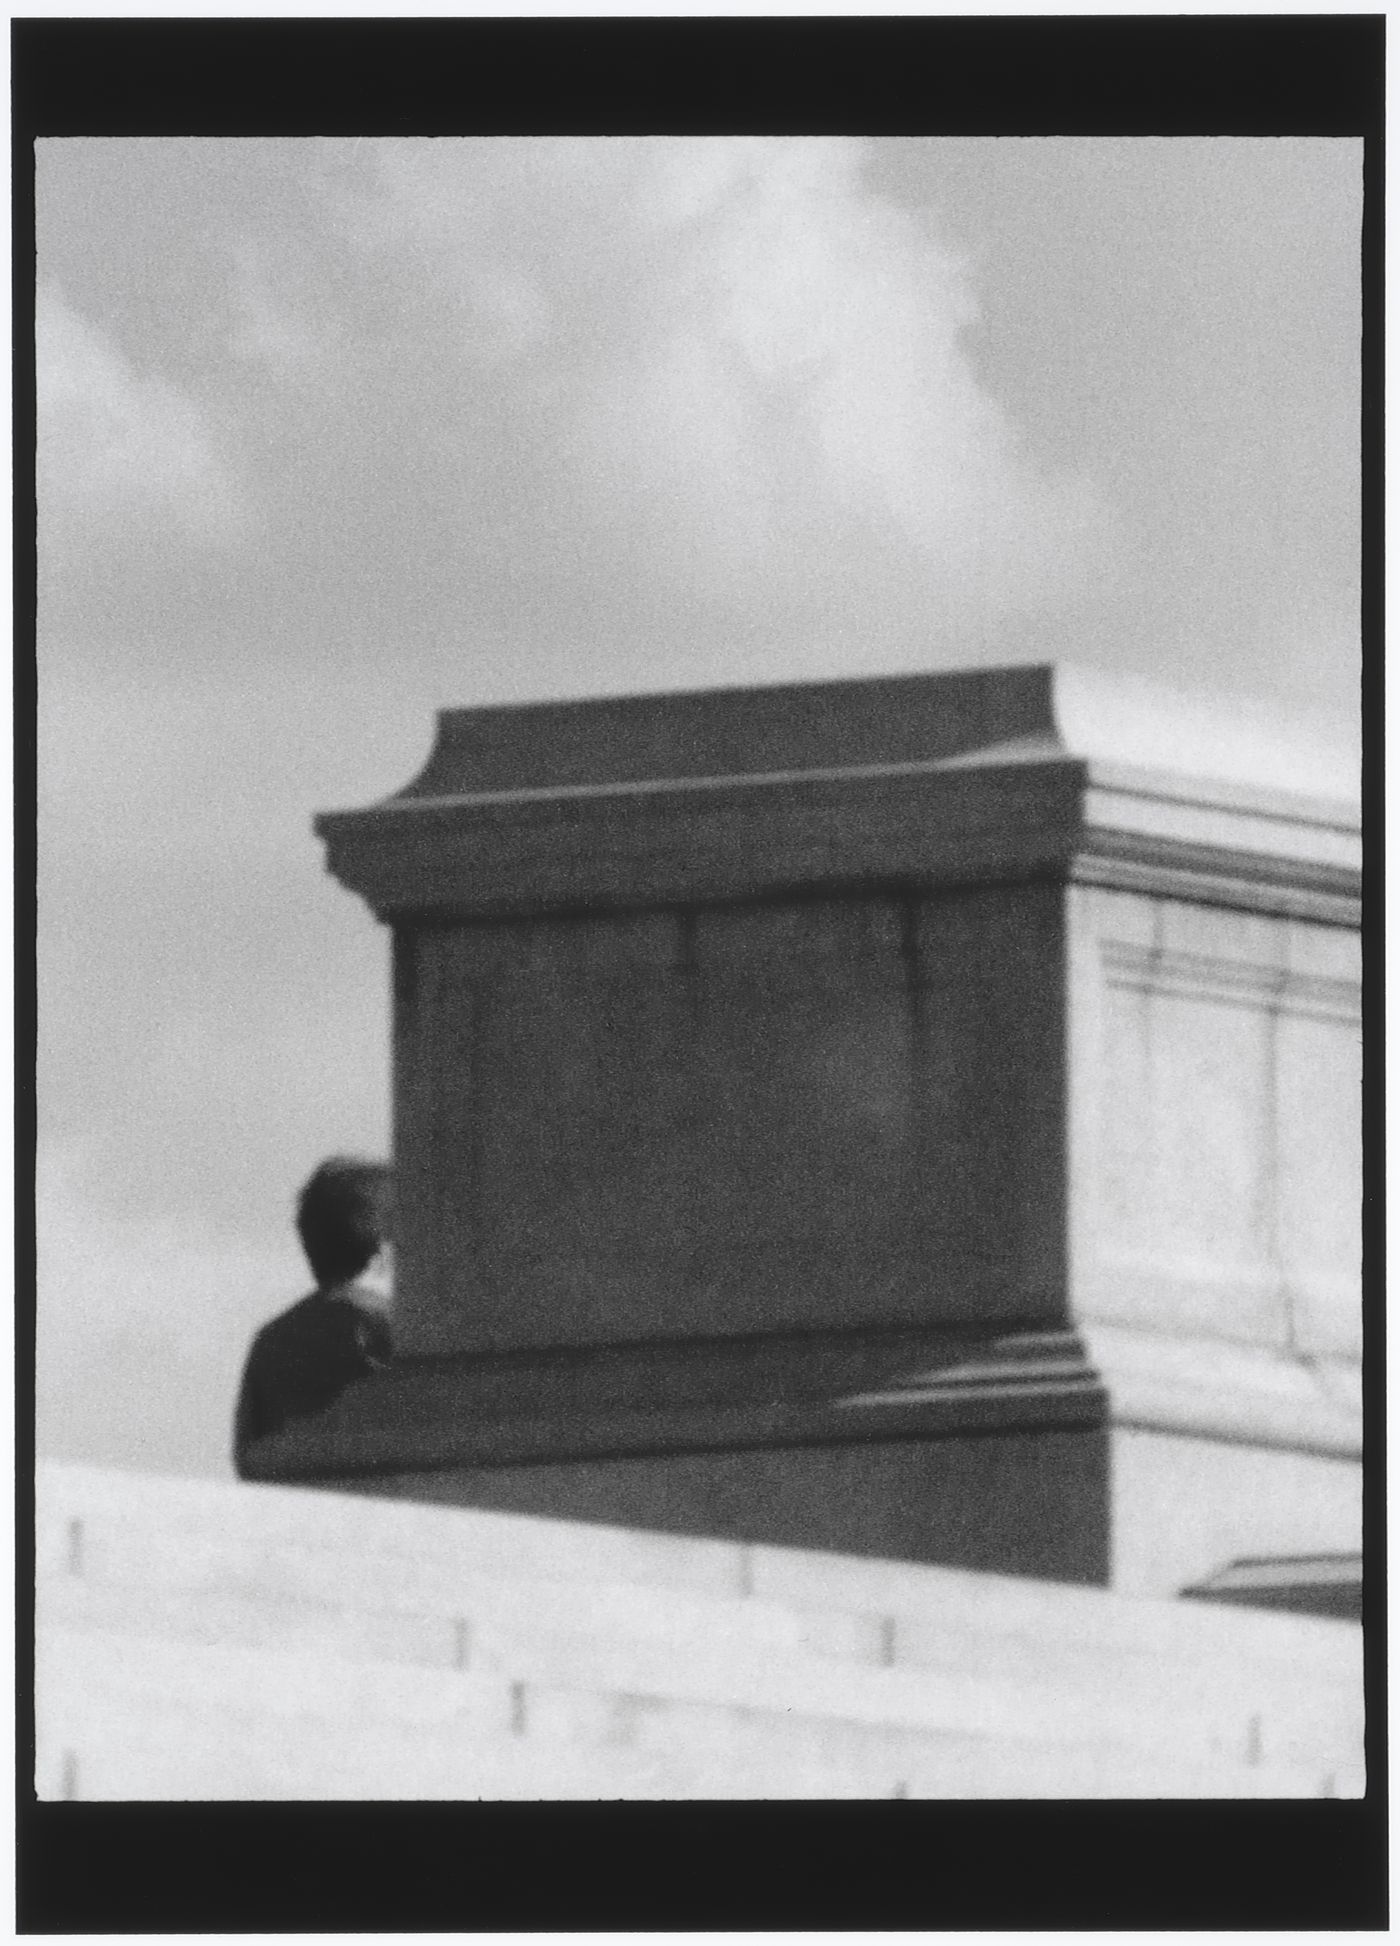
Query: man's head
[[343, 1217]]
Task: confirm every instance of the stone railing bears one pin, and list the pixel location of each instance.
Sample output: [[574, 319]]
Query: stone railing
[[200, 1640]]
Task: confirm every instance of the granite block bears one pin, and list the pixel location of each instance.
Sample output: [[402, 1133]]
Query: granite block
[[996, 1001]]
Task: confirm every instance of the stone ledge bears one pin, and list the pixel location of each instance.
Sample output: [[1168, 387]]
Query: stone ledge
[[702, 1396], [1215, 1389], [1327, 1585]]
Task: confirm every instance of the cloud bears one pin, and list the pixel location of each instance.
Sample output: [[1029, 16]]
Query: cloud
[[210, 1001], [143, 1327], [664, 404], [118, 447], [264, 329], [703, 385]]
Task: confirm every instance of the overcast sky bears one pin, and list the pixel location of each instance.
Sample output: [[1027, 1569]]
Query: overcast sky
[[333, 434]]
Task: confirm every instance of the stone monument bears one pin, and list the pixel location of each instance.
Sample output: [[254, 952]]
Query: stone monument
[[916, 1116]]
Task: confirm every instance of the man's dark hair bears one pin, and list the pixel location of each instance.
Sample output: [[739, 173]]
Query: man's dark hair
[[343, 1217]]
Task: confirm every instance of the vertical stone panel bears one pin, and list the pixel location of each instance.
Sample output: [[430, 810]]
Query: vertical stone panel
[[1101, 1040], [992, 1112], [1319, 1085], [1184, 1187], [418, 1295], [802, 1112], [1129, 1220], [558, 1144], [1227, 1151], [1210, 1101], [1212, 1081]]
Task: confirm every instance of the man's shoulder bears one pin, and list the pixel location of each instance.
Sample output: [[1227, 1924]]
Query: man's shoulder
[[304, 1322], [317, 1320]]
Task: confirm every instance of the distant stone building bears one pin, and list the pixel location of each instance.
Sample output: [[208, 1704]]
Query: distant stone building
[[915, 1117]]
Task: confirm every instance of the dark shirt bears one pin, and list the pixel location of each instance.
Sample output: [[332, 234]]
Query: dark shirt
[[301, 1362]]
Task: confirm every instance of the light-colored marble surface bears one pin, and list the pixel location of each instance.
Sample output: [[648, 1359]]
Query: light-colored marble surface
[[1183, 1508], [203, 1641], [1217, 1149]]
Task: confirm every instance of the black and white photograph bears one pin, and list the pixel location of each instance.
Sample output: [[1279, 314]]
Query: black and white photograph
[[699, 1056]]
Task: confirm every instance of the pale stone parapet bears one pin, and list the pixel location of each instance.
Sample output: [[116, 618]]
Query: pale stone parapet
[[200, 1640]]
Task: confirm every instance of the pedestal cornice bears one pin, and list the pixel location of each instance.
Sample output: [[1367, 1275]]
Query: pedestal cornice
[[919, 781]]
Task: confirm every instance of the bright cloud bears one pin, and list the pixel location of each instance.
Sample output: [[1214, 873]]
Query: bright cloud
[[143, 1327], [115, 443], [678, 401], [722, 368]]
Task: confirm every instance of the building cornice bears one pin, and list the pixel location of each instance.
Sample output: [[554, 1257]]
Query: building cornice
[[917, 782]]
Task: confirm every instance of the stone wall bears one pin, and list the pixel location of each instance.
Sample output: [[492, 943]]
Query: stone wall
[[197, 1640]]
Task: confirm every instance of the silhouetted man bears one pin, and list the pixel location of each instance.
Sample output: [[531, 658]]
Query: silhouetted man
[[303, 1360]]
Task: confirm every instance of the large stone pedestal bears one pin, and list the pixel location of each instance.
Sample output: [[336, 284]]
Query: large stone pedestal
[[839, 1114]]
